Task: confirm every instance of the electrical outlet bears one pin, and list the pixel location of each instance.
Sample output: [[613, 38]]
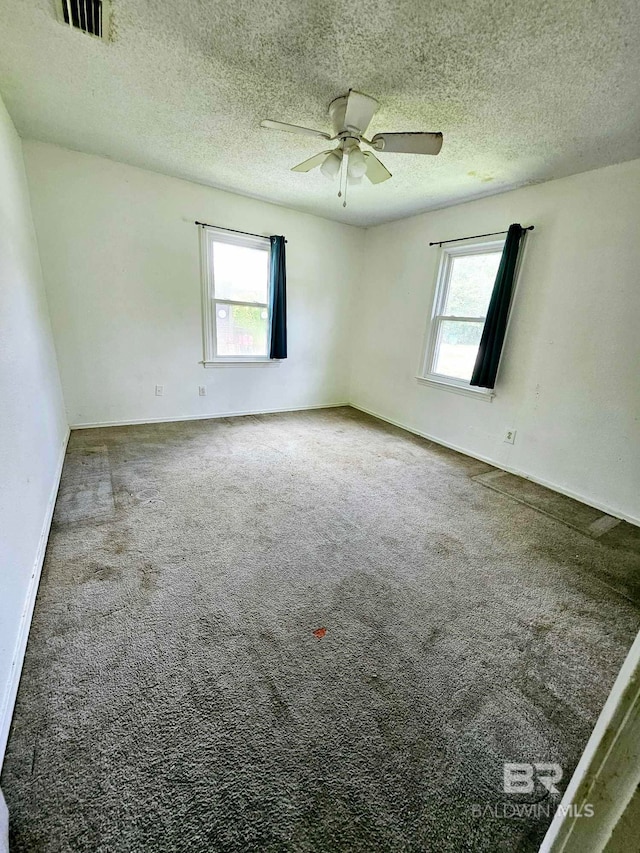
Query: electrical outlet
[[159, 390], [510, 436], [202, 390]]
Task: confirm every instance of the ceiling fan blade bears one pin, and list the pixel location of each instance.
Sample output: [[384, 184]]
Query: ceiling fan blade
[[293, 128], [311, 163], [408, 143], [377, 172], [359, 111]]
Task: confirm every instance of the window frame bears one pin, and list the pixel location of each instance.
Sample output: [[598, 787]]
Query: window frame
[[209, 235], [428, 375]]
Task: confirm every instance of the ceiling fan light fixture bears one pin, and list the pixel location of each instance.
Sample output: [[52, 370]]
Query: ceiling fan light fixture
[[331, 165], [357, 164]]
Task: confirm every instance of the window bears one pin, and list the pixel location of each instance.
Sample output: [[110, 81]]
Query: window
[[465, 282], [236, 298]]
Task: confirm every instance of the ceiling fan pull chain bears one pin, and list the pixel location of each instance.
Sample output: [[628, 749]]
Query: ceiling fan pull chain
[[345, 175]]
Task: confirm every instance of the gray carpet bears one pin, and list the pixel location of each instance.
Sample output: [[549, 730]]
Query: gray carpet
[[176, 698]]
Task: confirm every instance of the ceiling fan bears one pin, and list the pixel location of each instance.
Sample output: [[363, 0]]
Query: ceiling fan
[[350, 117]]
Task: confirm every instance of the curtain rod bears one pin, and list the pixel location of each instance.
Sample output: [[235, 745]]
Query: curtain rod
[[233, 230], [475, 236]]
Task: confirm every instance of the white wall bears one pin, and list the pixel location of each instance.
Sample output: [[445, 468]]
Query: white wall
[[121, 261], [33, 427], [569, 379]]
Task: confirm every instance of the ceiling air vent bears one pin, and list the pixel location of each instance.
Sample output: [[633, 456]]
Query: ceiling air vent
[[89, 16]]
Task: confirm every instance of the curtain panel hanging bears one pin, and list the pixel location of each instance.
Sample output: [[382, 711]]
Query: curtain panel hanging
[[278, 274], [495, 325]]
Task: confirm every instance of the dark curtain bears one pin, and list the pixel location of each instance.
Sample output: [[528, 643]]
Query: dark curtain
[[278, 275], [495, 325]]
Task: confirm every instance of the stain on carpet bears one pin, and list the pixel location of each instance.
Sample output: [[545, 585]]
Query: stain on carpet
[[586, 519], [620, 574], [85, 492]]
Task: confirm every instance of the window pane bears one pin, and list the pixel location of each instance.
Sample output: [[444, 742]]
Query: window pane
[[457, 348], [471, 283], [240, 273], [241, 329]]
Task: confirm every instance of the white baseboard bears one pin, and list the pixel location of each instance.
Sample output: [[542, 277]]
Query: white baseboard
[[616, 513], [6, 713], [138, 421]]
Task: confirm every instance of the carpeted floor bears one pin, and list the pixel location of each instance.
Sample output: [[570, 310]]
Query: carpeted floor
[[178, 694]]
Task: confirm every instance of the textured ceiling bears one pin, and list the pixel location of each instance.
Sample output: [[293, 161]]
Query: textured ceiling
[[523, 91]]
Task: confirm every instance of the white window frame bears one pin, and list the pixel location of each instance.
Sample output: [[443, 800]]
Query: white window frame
[[210, 235], [428, 374]]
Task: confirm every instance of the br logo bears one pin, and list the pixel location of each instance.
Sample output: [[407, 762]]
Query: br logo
[[521, 778]]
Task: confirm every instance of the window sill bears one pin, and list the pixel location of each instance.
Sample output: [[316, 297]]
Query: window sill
[[467, 390], [239, 362]]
